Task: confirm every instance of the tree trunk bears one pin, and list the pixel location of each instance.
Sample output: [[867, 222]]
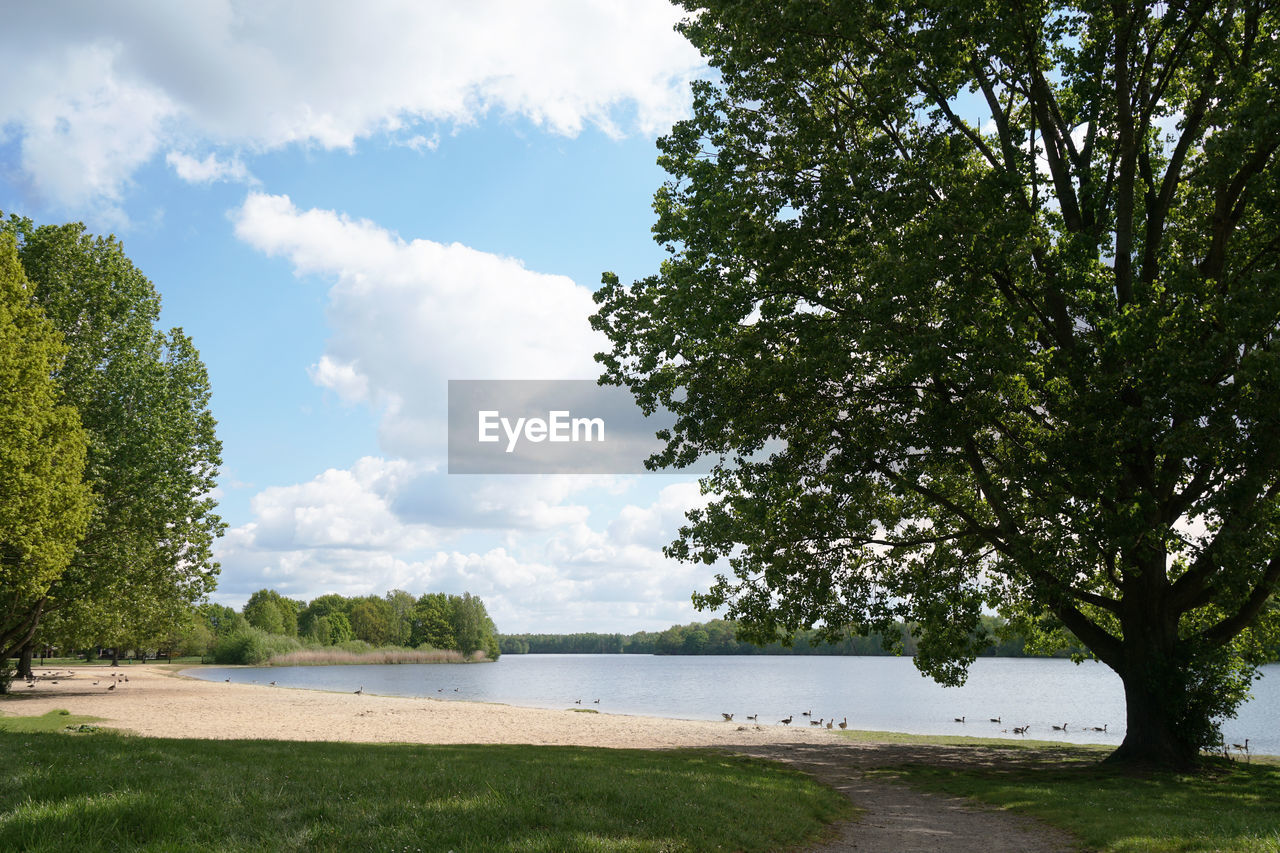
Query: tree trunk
[[115, 656], [24, 661], [1153, 735]]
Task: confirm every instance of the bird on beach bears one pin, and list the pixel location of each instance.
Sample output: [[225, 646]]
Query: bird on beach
[[273, 684], [360, 690], [830, 723], [228, 681], [728, 718], [844, 724], [816, 722], [753, 716], [787, 721], [112, 687]]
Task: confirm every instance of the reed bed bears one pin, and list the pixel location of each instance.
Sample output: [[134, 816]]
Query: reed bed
[[329, 657]]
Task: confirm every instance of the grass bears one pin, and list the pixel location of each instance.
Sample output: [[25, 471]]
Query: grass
[[107, 791], [54, 721], [1230, 807]]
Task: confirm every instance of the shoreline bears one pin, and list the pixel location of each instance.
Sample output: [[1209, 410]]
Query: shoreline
[[161, 702]]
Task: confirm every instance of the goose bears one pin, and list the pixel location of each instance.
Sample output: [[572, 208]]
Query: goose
[[787, 721], [597, 702], [112, 687], [1061, 728], [806, 713], [844, 724], [753, 716], [227, 680], [1243, 747], [273, 684], [1020, 730], [815, 722], [995, 719], [728, 718], [959, 719], [1101, 728], [830, 723], [360, 690], [577, 701]]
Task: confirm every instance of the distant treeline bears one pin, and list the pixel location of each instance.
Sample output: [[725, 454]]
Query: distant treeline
[[272, 626], [719, 637]]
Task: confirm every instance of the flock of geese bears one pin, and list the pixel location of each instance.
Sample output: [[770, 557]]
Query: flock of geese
[[116, 678], [1022, 730], [821, 721]]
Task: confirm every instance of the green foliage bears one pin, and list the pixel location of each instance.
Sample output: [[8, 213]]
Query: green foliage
[[473, 630], [433, 622], [220, 619], [372, 620], [252, 646], [362, 623], [108, 792], [272, 612], [44, 503], [152, 455], [949, 364]]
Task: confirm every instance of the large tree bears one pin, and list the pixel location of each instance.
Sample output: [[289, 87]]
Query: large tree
[[977, 302], [143, 398], [44, 502]]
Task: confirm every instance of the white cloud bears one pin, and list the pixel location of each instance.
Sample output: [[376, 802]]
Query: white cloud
[[208, 170], [94, 91], [409, 316], [352, 532]]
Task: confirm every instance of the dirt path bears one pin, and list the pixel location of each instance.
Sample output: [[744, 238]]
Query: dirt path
[[898, 819]]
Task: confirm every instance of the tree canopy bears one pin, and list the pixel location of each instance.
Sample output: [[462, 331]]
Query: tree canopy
[[142, 396], [44, 502], [977, 303]]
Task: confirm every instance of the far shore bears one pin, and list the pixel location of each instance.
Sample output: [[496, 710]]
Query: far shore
[[158, 701]]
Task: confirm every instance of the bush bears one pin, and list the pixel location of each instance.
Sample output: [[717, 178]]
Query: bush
[[252, 646]]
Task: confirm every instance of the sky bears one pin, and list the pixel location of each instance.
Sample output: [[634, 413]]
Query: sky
[[347, 206]]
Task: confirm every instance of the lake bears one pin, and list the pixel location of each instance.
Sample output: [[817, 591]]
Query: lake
[[873, 693]]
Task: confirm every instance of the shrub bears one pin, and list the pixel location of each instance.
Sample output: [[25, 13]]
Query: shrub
[[252, 646]]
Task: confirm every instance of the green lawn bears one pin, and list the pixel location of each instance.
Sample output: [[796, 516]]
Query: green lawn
[[105, 791], [1231, 806]]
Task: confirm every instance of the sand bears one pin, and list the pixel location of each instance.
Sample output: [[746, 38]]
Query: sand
[[160, 702]]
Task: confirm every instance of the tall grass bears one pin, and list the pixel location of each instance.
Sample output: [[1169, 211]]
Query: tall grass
[[329, 656]]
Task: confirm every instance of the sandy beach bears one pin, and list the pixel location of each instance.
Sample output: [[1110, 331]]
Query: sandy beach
[[159, 702]]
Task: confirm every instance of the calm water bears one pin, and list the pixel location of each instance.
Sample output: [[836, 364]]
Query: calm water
[[877, 693]]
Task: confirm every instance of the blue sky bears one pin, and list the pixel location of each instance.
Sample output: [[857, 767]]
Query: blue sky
[[347, 207]]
